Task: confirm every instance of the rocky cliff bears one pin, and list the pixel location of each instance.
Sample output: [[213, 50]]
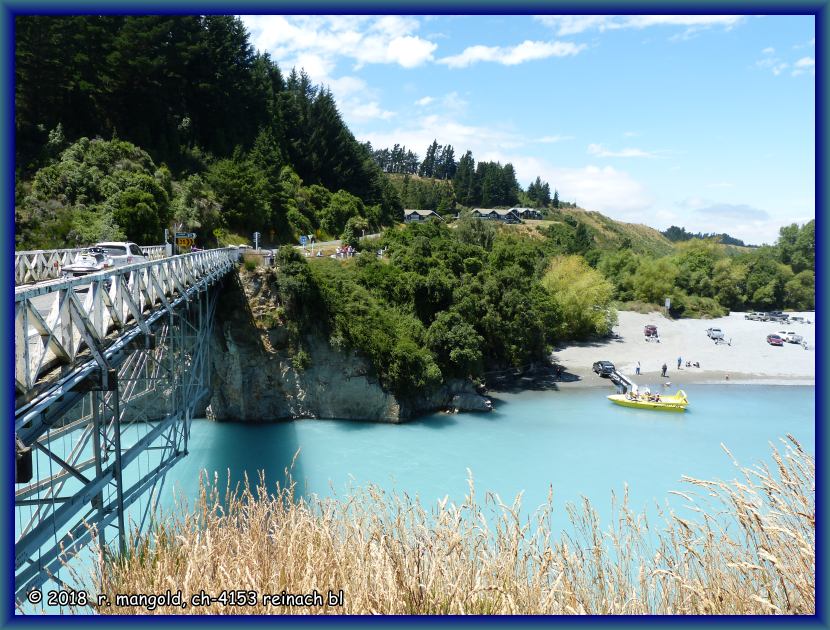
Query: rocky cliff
[[259, 375]]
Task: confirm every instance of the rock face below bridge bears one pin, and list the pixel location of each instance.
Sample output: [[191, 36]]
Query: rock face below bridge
[[255, 378]]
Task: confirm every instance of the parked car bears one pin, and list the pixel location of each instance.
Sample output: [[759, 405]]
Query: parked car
[[604, 368], [91, 260], [775, 340], [777, 316], [757, 316], [122, 253], [714, 333], [790, 336], [797, 319], [650, 332]]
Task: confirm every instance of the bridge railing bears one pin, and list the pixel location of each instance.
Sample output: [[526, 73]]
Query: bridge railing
[[56, 320], [46, 264]]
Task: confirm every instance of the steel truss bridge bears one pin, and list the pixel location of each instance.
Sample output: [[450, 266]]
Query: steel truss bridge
[[109, 371], [41, 265]]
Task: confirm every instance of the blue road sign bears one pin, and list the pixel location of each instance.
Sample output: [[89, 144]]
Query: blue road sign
[[302, 239]]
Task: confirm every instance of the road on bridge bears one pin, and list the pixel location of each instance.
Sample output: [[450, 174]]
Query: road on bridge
[[46, 302]]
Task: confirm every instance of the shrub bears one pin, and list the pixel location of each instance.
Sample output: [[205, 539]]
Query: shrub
[[251, 261], [301, 360]]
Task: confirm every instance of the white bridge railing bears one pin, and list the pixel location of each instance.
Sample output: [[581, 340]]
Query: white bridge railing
[[46, 264], [54, 321]]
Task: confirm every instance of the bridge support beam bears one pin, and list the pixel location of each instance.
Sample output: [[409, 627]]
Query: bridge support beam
[[104, 436]]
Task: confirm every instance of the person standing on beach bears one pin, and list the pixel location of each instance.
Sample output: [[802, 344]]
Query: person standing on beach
[[637, 369], [679, 361], [665, 368]]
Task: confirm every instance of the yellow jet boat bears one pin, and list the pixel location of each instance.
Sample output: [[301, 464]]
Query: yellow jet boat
[[673, 402]]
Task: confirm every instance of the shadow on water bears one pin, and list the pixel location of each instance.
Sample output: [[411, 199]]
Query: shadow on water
[[241, 448], [547, 379], [352, 426], [436, 421]]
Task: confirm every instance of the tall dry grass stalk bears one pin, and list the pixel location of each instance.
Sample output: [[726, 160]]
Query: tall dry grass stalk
[[748, 548]]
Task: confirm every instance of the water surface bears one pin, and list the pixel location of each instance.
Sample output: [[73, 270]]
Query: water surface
[[574, 440]]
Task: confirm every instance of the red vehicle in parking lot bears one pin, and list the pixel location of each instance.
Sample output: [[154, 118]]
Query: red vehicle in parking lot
[[775, 340]]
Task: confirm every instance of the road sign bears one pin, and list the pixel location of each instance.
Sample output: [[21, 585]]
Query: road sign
[[302, 239], [185, 241], [186, 235]]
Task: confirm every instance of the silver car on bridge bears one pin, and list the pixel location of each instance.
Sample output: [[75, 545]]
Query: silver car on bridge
[[123, 252]]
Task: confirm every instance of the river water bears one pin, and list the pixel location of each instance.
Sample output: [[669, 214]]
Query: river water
[[573, 440]]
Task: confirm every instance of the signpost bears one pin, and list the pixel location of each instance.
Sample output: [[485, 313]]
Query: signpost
[[256, 241], [184, 239]]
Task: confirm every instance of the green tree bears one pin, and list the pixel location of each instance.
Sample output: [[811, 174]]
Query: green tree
[[654, 280], [583, 297], [455, 344], [342, 206], [800, 291], [465, 181]]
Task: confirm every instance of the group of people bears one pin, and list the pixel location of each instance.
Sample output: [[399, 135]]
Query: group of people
[[346, 251], [646, 395], [665, 369]]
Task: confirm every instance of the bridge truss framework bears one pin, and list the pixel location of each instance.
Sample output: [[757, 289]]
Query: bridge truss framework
[[99, 439]]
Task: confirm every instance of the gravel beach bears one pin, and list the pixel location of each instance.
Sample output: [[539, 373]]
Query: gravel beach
[[746, 358]]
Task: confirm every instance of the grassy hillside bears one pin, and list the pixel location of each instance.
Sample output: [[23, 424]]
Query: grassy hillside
[[611, 234]]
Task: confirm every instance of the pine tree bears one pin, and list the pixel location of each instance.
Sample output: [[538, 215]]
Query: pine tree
[[449, 165], [464, 180]]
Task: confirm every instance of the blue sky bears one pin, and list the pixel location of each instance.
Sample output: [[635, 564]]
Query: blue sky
[[702, 121]]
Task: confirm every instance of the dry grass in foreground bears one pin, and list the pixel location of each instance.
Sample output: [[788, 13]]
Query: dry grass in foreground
[[749, 549]]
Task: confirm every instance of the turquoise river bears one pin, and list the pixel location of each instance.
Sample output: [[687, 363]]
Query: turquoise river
[[573, 440]]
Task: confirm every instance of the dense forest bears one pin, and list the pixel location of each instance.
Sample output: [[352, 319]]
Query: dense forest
[[127, 124], [462, 182]]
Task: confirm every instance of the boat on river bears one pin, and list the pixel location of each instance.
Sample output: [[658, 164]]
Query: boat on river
[[669, 402]]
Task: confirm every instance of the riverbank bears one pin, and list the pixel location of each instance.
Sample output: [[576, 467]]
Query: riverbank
[[745, 358]]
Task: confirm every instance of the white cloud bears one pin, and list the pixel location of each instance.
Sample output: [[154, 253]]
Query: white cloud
[[453, 103], [409, 51], [600, 150], [575, 24], [512, 55], [631, 134], [364, 39], [776, 65], [418, 133], [368, 111], [423, 102], [804, 65], [355, 99], [605, 189]]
